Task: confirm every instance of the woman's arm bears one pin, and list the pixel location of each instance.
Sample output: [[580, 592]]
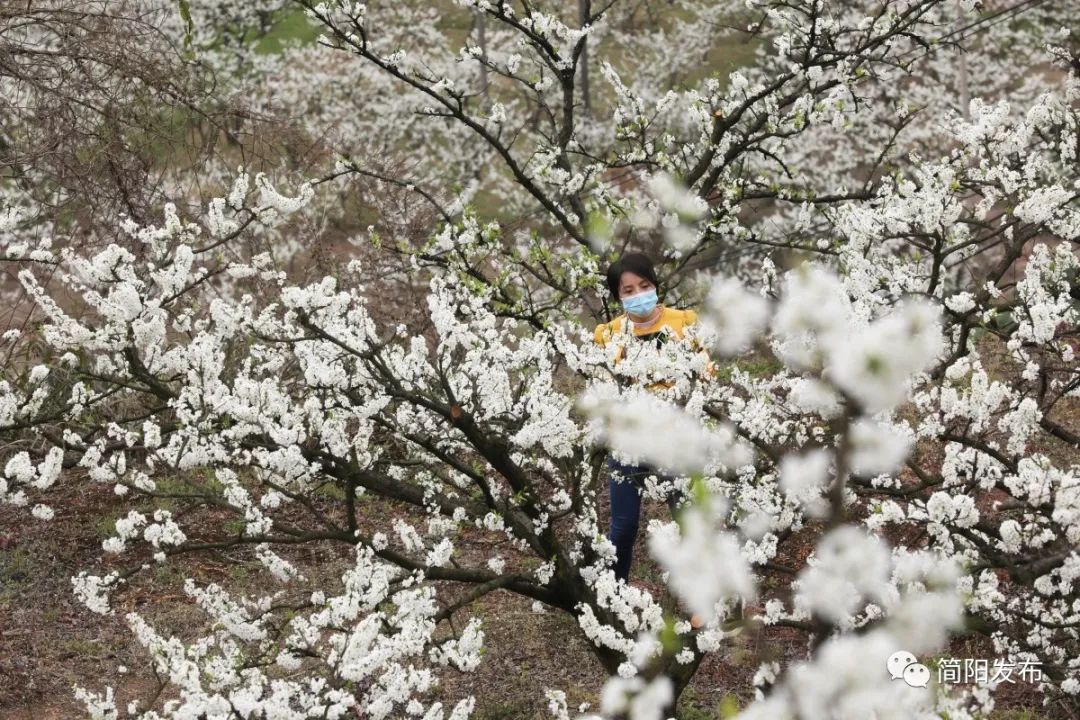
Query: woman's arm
[[601, 334]]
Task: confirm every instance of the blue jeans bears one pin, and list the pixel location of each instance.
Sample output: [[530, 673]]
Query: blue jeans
[[625, 486]]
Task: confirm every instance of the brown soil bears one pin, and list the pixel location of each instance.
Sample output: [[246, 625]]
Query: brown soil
[[50, 642]]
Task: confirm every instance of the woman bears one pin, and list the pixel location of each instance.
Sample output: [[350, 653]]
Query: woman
[[632, 280]]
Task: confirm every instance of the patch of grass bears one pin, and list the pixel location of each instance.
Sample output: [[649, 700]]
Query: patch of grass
[[234, 526], [726, 57], [168, 574], [456, 26], [105, 524], [740, 655], [690, 707], [77, 647], [336, 492], [195, 481], [291, 28], [16, 566], [242, 572], [51, 613], [1016, 714], [761, 367], [755, 367], [511, 709]]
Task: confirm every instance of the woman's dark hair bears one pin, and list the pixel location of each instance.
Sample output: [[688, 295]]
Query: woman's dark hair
[[637, 263]]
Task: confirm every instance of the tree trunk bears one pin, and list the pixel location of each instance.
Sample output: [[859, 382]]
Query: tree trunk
[[583, 15]]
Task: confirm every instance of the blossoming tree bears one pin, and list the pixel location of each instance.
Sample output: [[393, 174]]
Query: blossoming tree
[[915, 429]]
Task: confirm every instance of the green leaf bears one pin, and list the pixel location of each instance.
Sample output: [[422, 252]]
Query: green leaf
[[189, 26], [669, 639], [1005, 321], [599, 230], [729, 706]]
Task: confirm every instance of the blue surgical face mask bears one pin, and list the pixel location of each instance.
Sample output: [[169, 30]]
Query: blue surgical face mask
[[640, 304]]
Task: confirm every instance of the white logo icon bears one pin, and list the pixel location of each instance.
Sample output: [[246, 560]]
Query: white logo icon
[[903, 665]]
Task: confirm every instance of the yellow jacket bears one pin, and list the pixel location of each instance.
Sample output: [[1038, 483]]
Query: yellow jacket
[[675, 320]]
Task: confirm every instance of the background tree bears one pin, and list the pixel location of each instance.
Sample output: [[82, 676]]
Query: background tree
[[259, 406]]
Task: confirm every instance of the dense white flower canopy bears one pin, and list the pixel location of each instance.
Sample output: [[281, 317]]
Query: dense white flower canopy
[[872, 210]]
